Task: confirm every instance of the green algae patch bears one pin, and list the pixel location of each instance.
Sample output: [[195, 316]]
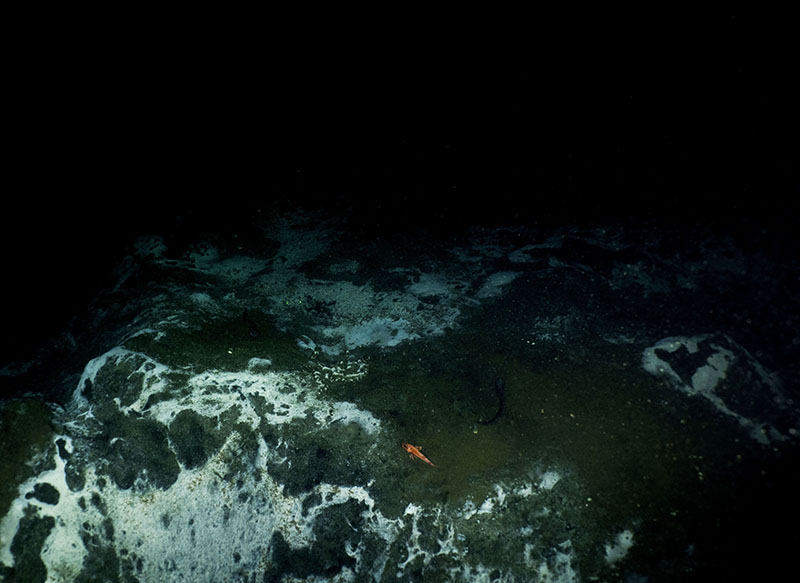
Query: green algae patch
[[308, 456], [328, 554], [27, 547], [140, 449], [221, 343], [134, 448], [616, 453], [631, 449], [44, 492], [26, 443], [194, 438], [595, 418]]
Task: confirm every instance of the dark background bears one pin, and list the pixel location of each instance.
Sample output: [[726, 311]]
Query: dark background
[[669, 118]]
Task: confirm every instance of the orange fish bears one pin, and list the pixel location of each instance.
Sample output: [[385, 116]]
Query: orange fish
[[414, 451]]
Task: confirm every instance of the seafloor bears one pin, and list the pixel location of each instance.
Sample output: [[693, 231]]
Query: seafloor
[[231, 408]]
